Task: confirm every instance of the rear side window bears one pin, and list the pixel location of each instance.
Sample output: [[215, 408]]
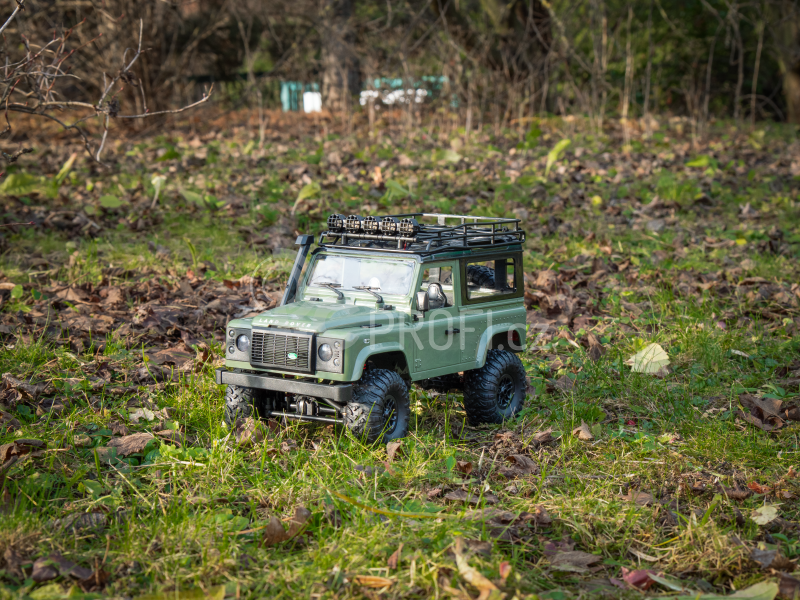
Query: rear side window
[[491, 279]]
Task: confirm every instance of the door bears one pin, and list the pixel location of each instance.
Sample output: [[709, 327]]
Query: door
[[484, 284], [439, 332]]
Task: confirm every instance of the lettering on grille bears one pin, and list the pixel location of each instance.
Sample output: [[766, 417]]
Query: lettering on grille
[[284, 351]]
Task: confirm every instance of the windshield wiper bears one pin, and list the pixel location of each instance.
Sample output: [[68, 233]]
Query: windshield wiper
[[331, 286], [366, 288]]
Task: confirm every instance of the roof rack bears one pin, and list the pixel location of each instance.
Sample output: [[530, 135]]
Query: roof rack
[[409, 233]]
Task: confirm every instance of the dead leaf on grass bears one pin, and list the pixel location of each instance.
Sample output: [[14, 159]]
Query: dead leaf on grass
[[434, 493], [638, 578], [173, 356], [463, 496], [274, 533], [639, 498], [8, 423], [20, 448], [758, 488], [392, 449], [394, 559], [485, 587], [141, 413], [505, 571], [521, 466], [463, 466], [651, 360], [248, 432], [763, 557], [130, 444], [788, 587], [596, 349], [583, 432], [54, 565], [764, 514], [573, 560], [372, 581], [565, 384]]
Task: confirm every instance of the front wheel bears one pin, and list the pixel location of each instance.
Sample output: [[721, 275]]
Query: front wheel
[[380, 408], [496, 391], [242, 402]]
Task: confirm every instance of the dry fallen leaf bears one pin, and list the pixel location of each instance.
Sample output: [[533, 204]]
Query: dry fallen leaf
[[394, 559], [130, 444], [650, 359], [372, 581], [638, 578], [573, 560], [765, 514], [392, 448], [639, 498], [274, 533], [485, 587], [583, 432], [248, 432], [521, 465], [596, 349], [462, 496], [463, 466], [505, 571]]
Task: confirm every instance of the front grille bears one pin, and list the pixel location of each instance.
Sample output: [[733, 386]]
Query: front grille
[[272, 349]]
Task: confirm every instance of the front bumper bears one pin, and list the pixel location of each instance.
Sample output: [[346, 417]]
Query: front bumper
[[341, 393]]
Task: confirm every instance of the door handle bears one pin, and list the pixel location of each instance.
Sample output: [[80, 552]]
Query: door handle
[[449, 331]]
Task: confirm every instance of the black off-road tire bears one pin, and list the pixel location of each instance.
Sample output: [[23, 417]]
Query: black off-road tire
[[380, 408], [242, 402], [480, 276], [495, 392]]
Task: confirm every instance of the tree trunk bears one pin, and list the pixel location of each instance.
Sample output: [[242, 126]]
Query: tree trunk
[[791, 88], [339, 61]]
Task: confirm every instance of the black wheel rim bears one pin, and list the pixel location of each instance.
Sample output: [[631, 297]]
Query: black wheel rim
[[390, 414], [505, 391]]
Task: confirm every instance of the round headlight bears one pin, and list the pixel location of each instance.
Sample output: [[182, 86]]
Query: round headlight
[[325, 352], [243, 343]]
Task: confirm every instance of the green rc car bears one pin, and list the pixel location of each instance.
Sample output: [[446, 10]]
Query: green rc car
[[387, 302]]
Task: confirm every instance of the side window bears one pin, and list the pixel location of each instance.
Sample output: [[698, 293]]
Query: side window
[[491, 278], [442, 275]]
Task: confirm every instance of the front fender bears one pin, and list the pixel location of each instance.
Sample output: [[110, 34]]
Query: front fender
[[367, 351], [486, 339]]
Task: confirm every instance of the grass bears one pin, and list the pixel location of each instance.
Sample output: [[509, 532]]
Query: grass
[[188, 520]]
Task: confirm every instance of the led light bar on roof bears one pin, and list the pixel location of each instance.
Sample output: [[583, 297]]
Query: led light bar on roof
[[336, 222], [354, 223], [409, 227], [389, 225], [370, 225]]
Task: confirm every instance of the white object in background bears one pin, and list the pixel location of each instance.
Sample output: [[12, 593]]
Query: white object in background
[[312, 102]]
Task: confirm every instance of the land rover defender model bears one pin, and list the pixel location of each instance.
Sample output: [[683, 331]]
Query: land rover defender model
[[386, 303]]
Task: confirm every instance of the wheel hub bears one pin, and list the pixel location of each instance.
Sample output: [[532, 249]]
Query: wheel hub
[[390, 414], [505, 391]]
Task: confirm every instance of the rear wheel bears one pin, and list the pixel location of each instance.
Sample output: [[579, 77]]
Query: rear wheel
[[496, 391], [380, 407], [242, 402]]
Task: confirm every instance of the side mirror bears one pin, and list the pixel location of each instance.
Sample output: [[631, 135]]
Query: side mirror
[[422, 301]]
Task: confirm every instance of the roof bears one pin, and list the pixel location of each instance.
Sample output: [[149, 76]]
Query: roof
[[409, 233]]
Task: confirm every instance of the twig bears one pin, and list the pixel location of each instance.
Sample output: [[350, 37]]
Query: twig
[[204, 99], [20, 6]]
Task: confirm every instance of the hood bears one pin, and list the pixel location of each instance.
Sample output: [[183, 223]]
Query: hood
[[321, 316]]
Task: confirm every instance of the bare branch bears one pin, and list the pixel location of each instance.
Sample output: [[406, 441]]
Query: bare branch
[[20, 6], [203, 100]]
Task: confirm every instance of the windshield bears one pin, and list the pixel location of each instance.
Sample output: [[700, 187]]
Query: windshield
[[350, 272]]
